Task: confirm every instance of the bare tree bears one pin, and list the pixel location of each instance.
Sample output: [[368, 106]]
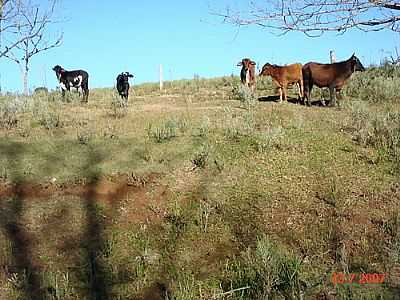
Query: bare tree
[[314, 17], [30, 31]]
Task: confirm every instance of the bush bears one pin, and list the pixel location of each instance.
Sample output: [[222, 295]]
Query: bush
[[10, 109], [245, 95], [377, 85], [163, 132], [119, 106], [380, 130], [265, 272]]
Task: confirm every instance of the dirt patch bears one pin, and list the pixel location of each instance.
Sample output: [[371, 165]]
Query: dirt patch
[[135, 199]]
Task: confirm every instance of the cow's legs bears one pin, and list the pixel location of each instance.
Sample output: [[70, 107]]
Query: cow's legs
[[285, 93], [280, 94], [301, 88], [85, 92]]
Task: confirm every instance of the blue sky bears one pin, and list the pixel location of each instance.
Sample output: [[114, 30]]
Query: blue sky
[[108, 37]]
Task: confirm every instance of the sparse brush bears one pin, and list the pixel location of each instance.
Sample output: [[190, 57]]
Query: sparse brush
[[119, 107], [265, 140], [378, 85], [245, 95], [163, 132], [50, 120], [10, 110], [84, 136], [204, 127], [200, 159], [265, 272]]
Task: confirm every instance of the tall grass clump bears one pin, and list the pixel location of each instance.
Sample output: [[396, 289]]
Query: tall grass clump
[[163, 132], [10, 110], [380, 130], [237, 125], [376, 85], [119, 106], [245, 95], [264, 273]]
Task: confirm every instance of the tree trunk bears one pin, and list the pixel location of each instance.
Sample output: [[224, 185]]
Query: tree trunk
[[25, 73]]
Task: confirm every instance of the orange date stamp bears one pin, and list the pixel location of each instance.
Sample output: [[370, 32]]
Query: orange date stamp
[[357, 278]]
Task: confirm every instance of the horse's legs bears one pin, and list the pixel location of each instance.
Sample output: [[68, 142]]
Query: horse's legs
[[307, 92], [280, 94]]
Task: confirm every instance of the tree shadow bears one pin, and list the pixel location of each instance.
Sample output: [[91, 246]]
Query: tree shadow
[[23, 262], [94, 274]]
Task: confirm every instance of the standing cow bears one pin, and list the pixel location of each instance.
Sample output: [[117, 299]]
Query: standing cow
[[77, 79], [123, 84], [282, 76], [248, 72]]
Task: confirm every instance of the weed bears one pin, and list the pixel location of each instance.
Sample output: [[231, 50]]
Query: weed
[[200, 159], [204, 127], [119, 107], [267, 271], [163, 132], [245, 95], [84, 136]]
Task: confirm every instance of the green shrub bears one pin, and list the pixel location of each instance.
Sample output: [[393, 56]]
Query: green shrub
[[377, 85], [11, 108], [200, 159], [245, 95], [380, 130], [264, 272], [163, 132], [50, 119]]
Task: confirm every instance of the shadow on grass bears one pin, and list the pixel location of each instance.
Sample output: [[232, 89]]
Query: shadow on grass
[[16, 233], [94, 274]]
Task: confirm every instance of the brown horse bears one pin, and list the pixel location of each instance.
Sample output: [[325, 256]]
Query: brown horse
[[333, 76]]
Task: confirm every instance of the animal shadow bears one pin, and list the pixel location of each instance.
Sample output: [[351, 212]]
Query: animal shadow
[[275, 98]]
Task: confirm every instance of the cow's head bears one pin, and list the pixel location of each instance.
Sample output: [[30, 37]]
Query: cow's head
[[127, 74], [266, 70], [246, 63], [356, 64], [59, 70]]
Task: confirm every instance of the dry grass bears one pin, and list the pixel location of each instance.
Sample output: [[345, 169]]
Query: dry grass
[[184, 193]]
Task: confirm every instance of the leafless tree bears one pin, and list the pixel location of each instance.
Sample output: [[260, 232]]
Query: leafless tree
[[314, 17], [29, 36]]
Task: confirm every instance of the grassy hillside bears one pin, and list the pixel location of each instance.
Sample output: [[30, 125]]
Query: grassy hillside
[[202, 191]]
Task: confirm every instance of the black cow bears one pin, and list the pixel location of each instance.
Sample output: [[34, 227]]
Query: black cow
[[123, 84], [77, 79]]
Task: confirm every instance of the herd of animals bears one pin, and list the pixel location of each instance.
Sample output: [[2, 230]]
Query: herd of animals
[[332, 76]]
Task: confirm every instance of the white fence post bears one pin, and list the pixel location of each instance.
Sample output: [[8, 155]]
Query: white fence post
[[332, 56]]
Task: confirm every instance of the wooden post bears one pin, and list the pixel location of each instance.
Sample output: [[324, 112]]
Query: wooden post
[[161, 78], [332, 55]]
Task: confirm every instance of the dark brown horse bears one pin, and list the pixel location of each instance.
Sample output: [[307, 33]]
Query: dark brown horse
[[332, 76]]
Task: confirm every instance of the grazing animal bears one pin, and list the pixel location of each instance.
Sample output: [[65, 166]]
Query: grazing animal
[[248, 72], [334, 76], [77, 79], [282, 76], [123, 84]]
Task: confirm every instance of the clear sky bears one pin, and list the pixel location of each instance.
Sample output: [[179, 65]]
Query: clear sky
[[108, 37]]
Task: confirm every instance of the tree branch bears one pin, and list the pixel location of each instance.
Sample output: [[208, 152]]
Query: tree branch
[[314, 17]]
